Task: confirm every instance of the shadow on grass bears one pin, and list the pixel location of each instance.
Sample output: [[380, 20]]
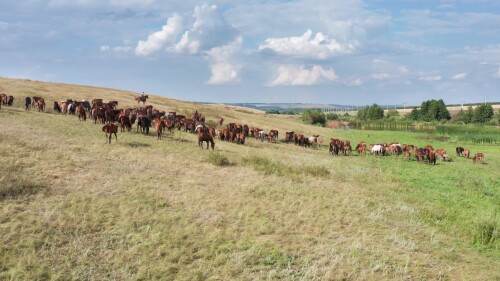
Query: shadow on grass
[[18, 188], [138, 144]]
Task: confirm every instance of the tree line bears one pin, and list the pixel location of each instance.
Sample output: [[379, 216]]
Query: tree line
[[429, 111]]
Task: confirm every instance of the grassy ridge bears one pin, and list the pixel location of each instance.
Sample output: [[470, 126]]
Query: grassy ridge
[[74, 207]]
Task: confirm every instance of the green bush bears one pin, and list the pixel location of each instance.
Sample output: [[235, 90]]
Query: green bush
[[219, 160]]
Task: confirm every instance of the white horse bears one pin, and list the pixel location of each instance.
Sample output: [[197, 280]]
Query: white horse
[[378, 149]]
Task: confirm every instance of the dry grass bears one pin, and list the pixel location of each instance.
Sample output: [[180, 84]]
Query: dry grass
[[74, 207]]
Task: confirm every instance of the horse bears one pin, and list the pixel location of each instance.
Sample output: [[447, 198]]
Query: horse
[[158, 124], [205, 137], [378, 149], [467, 153], [141, 98], [80, 111], [125, 123], [110, 129], [41, 105], [459, 151], [27, 103], [478, 157], [10, 100], [143, 123]]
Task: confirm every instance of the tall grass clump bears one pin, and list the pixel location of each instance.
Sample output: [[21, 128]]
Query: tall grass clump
[[485, 233], [470, 133], [219, 160], [395, 125], [268, 167]]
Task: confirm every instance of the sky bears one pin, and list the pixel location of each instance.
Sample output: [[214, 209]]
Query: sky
[[354, 52]]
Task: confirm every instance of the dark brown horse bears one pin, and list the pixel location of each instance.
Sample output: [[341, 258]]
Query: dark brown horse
[[110, 129]]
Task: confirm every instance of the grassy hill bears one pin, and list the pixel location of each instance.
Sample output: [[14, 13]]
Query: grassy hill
[[74, 207]]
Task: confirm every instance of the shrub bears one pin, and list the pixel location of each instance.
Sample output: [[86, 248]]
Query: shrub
[[219, 160]]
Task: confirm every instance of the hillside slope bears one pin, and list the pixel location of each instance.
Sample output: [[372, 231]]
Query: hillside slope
[[74, 207]]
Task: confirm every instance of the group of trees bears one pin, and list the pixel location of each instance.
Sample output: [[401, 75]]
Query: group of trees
[[373, 112], [481, 114], [430, 110]]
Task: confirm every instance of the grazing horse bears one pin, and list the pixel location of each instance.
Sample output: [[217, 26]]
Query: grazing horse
[[441, 153], [34, 101], [141, 98], [432, 157], [407, 154], [27, 103], [125, 123], [478, 157], [3, 99], [10, 100], [205, 137], [57, 107], [80, 112], [110, 129], [169, 124], [361, 147], [378, 149], [41, 105], [143, 123], [273, 135], [467, 153], [459, 151], [221, 120]]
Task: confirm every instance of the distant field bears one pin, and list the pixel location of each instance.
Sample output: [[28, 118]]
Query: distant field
[[74, 207]]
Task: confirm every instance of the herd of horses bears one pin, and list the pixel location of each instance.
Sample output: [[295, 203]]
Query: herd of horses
[[107, 113]]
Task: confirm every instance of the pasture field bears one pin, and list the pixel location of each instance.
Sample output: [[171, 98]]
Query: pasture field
[[74, 207]]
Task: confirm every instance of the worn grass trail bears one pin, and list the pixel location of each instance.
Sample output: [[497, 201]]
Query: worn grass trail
[[73, 207]]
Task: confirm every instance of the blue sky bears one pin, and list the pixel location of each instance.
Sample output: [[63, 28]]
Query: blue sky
[[343, 52]]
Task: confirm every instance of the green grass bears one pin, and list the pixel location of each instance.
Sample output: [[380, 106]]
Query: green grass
[[74, 207], [470, 133]]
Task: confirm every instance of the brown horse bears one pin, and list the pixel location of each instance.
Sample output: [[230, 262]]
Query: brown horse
[[466, 153], [205, 137], [141, 98], [158, 124], [478, 157], [41, 104], [110, 129]]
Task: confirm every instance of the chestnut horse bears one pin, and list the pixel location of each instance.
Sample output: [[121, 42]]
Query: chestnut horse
[[205, 137], [110, 129]]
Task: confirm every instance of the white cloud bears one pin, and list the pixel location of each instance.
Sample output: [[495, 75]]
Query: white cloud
[[297, 75], [356, 82], [307, 46], [459, 76], [381, 76], [225, 69], [430, 78], [122, 49], [105, 48], [209, 30], [4, 25], [129, 3], [158, 40], [497, 75]]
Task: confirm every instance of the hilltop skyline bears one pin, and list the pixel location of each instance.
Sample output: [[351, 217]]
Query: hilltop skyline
[[336, 52]]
